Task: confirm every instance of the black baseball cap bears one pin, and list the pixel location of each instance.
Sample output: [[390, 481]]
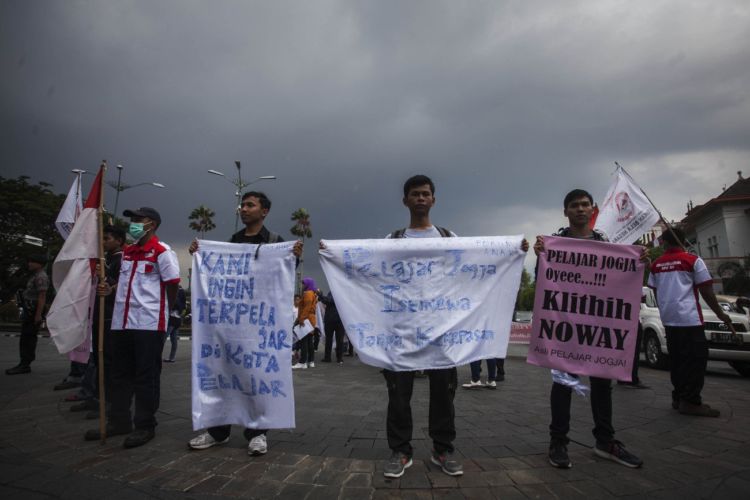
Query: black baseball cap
[[149, 212]]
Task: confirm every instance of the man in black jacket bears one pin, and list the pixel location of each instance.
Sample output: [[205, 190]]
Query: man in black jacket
[[253, 212], [333, 327]]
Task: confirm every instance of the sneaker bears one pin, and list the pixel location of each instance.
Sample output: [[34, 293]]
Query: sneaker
[[311, 364], [299, 366], [66, 384], [341, 363], [257, 446], [88, 405], [397, 464], [167, 360], [204, 440], [615, 451], [18, 370], [701, 410], [558, 455], [138, 437], [491, 384], [473, 385], [447, 463]]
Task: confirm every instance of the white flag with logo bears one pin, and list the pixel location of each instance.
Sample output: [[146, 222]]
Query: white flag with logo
[[626, 213], [70, 210]]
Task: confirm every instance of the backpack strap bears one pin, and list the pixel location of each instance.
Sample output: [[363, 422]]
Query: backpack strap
[[273, 237], [398, 233], [444, 232]]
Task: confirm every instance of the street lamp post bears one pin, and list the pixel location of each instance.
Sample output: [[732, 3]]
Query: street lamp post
[[119, 186], [240, 185]]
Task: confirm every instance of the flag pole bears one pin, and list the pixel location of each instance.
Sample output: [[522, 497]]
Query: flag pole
[[102, 279], [661, 217]]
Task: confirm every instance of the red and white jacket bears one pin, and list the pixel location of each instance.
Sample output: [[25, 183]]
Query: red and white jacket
[[141, 300], [676, 276]]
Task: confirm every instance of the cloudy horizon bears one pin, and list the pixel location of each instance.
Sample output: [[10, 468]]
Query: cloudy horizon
[[506, 105]]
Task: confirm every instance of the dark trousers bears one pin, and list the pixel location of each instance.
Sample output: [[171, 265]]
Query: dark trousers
[[136, 371], [173, 332], [500, 366], [688, 354], [601, 409], [334, 328], [637, 355], [308, 352], [90, 382], [399, 425], [221, 432], [28, 340], [476, 369]]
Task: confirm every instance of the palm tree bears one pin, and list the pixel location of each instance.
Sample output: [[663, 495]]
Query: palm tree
[[301, 229], [201, 220]]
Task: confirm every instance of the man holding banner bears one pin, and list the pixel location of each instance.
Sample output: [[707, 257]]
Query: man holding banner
[[573, 280], [424, 299], [254, 209]]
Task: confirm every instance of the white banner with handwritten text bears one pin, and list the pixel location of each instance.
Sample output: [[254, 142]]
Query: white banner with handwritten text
[[242, 314], [427, 303]]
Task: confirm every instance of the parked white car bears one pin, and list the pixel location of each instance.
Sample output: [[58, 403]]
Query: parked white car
[[722, 344]]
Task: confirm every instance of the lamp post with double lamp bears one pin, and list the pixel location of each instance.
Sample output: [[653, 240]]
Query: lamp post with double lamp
[[240, 185], [119, 186]]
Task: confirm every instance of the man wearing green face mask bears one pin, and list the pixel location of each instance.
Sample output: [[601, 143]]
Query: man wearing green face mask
[[149, 276]]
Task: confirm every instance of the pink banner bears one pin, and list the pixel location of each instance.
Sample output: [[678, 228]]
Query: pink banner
[[586, 307]]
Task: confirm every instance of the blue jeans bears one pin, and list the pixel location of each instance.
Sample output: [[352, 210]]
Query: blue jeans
[[476, 369]]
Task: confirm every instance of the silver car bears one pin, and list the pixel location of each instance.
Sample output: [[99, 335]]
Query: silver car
[[722, 344]]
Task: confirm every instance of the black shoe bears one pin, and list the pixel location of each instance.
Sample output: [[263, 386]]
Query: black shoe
[[87, 405], [138, 437], [66, 384], [18, 370], [95, 435], [615, 451], [558, 455]]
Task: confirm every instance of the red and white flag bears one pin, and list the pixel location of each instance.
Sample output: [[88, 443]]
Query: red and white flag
[[73, 277], [70, 210], [626, 213]]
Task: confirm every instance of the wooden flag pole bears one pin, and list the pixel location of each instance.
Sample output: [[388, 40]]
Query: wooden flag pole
[[102, 279]]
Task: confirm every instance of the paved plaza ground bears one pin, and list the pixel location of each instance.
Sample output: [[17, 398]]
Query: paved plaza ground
[[338, 447]]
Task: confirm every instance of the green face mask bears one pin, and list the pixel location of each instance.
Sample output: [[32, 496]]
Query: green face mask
[[137, 230]]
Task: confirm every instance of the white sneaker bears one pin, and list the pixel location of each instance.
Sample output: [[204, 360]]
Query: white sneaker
[[491, 384], [257, 445], [473, 385], [311, 364], [203, 441], [299, 366]]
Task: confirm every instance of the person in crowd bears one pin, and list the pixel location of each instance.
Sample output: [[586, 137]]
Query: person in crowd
[[32, 300], [175, 321], [149, 275], [676, 278], [578, 207], [334, 329], [476, 371], [308, 304], [113, 242], [254, 209]]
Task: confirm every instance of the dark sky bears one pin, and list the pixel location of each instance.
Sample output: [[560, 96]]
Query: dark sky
[[506, 105]]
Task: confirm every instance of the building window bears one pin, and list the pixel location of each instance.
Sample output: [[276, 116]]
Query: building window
[[713, 246]]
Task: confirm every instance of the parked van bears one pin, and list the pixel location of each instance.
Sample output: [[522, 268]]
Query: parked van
[[722, 344]]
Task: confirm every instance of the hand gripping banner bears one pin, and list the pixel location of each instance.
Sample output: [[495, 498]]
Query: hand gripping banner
[[418, 304], [242, 298]]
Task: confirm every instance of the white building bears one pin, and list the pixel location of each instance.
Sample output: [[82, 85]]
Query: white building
[[719, 230]]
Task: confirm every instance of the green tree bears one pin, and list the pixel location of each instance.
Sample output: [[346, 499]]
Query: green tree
[[25, 209], [525, 298], [301, 229], [201, 220]]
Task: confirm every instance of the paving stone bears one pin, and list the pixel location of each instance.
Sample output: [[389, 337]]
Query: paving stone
[[356, 493], [212, 484], [414, 480]]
